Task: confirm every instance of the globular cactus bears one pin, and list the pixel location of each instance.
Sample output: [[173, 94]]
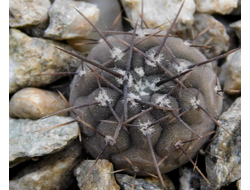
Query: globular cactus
[[148, 101]]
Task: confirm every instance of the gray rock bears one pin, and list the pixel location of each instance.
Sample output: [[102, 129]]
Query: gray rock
[[237, 11], [148, 183], [30, 57], [228, 100], [223, 163], [216, 36], [50, 172], [31, 16], [99, 178], [28, 12], [109, 11], [26, 141], [156, 13], [36, 30], [211, 6], [35, 103], [189, 179], [238, 184], [230, 76], [67, 23], [237, 27]]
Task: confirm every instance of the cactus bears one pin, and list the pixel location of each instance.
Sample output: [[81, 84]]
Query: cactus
[[136, 90], [145, 100]]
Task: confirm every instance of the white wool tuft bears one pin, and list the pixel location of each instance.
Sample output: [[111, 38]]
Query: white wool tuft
[[109, 140], [139, 71], [180, 68], [103, 98], [81, 73], [194, 102], [131, 99], [154, 59], [117, 53], [145, 129], [186, 43], [163, 101]]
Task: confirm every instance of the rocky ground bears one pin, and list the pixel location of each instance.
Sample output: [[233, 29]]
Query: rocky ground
[[43, 154]]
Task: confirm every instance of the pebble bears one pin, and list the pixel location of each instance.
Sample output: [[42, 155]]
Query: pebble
[[147, 183], [156, 13], [67, 23], [223, 163], [30, 57], [35, 103], [237, 11], [216, 37], [109, 11], [228, 100], [26, 141], [189, 179], [36, 30], [238, 184], [99, 178], [237, 27], [230, 76], [23, 13], [219, 6], [50, 172]]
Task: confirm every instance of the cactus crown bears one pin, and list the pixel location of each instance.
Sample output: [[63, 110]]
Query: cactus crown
[[135, 111]]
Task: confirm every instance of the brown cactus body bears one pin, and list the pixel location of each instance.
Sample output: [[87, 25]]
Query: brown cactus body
[[174, 107]]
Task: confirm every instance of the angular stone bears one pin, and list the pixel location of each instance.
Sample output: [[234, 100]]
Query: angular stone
[[148, 183], [35, 103], [36, 30], [50, 172], [28, 140], [216, 37], [237, 11], [230, 76], [99, 178], [219, 6], [189, 179], [32, 12], [156, 13], [167, 181], [223, 163], [67, 23], [238, 184], [237, 27], [109, 11], [30, 57], [227, 101]]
